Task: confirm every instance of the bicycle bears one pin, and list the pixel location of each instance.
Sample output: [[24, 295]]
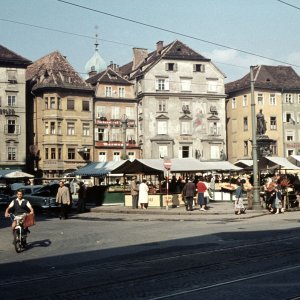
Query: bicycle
[[19, 232]]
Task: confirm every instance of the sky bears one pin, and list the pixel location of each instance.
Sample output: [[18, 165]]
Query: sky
[[217, 29]]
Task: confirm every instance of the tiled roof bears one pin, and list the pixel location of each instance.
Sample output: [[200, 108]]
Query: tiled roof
[[267, 77], [108, 76], [175, 50], [10, 58], [53, 71]]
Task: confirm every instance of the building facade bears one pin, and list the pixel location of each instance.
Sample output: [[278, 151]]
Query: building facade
[[276, 93], [60, 117], [181, 103], [12, 110], [115, 115]]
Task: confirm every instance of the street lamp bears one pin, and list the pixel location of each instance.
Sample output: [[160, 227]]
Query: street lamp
[[124, 121]]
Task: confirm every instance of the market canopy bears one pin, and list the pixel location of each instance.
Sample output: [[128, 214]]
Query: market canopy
[[13, 174], [294, 159], [156, 166], [276, 162], [100, 169], [244, 163]]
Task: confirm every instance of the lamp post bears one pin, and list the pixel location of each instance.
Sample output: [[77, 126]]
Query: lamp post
[[124, 121]]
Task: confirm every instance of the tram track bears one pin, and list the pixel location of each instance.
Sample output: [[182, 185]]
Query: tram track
[[127, 272]]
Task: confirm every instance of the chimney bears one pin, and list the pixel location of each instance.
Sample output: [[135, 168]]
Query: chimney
[[159, 46], [139, 55], [92, 72], [114, 67]]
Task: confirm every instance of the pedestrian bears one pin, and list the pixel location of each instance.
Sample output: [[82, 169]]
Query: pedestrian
[[134, 190], [277, 205], [63, 198], [143, 194], [201, 188], [81, 197], [238, 203], [188, 193]]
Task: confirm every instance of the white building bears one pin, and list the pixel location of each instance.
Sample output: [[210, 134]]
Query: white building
[[181, 103]]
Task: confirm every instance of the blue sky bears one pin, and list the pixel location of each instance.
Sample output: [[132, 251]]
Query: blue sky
[[264, 27]]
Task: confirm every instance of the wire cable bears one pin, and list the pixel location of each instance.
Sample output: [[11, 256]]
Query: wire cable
[[176, 33], [289, 4]]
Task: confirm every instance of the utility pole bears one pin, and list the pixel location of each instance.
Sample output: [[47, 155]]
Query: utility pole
[[256, 186]]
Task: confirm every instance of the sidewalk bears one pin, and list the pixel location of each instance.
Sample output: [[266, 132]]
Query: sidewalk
[[222, 208]]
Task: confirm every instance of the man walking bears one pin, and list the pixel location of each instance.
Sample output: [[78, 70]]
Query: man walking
[[63, 199], [134, 192]]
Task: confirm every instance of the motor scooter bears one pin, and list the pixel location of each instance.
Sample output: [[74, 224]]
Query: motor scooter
[[20, 233]]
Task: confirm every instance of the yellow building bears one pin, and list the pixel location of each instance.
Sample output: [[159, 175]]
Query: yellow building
[[277, 93], [60, 116]]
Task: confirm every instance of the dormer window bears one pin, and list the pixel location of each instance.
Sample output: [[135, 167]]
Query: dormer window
[[199, 68]]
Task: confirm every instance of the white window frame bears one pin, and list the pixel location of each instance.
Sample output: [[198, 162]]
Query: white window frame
[[163, 151], [115, 112], [162, 127], [11, 153], [288, 98], [260, 99], [186, 84], [233, 103], [100, 111], [162, 84], [108, 91], [86, 129], [162, 105], [116, 156], [11, 100], [102, 156], [185, 127], [272, 99], [245, 101], [70, 128], [121, 92]]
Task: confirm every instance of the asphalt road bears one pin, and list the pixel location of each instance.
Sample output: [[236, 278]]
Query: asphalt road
[[122, 256]]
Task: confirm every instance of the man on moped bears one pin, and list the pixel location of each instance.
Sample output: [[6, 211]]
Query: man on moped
[[20, 206]]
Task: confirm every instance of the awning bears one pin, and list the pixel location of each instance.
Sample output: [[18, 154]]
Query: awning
[[11, 174], [294, 159], [276, 162], [244, 163], [218, 166], [100, 169]]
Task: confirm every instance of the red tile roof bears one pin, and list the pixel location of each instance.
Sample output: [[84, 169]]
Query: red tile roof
[[10, 58]]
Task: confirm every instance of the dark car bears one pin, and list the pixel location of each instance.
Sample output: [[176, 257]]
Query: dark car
[[4, 199], [44, 197]]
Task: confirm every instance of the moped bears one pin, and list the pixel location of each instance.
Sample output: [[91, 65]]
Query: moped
[[20, 233]]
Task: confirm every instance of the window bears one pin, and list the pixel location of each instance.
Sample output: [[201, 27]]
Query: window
[[131, 155], [233, 103], [288, 98], [185, 151], [59, 152], [214, 128], [289, 118], [129, 112], [246, 148], [121, 92], [162, 105], [298, 98], [108, 91], [53, 153], [115, 112], [273, 149], [46, 103], [100, 134], [162, 127], [87, 154], [86, 129], [70, 104], [186, 107], [163, 151], [12, 127], [11, 100], [185, 128], [273, 123], [100, 111], [214, 152], [46, 153], [260, 99], [116, 156], [58, 103], [212, 86], [290, 136], [52, 128], [12, 76], [245, 123], [46, 128], [71, 153], [85, 105], [52, 103], [185, 84], [116, 134], [199, 68], [58, 127], [70, 128], [290, 152], [272, 99], [245, 101], [102, 156], [171, 67], [11, 153], [162, 84]]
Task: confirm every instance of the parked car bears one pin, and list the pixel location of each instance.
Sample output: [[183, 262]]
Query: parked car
[[44, 197], [4, 199]]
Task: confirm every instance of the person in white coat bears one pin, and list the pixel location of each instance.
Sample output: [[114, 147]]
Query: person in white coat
[[143, 194]]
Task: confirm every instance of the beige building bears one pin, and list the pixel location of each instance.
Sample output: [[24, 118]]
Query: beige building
[[277, 93], [115, 116], [12, 110], [181, 103], [60, 116]]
